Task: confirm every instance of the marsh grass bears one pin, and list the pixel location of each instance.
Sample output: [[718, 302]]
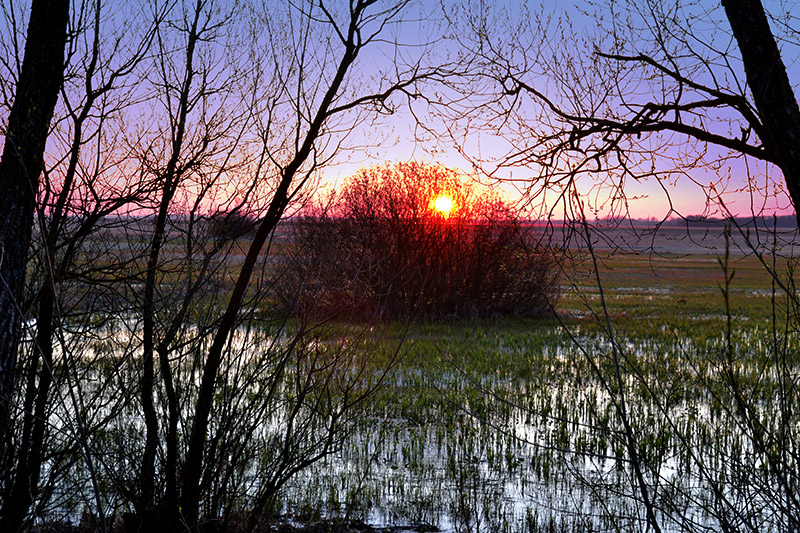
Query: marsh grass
[[506, 424], [509, 424]]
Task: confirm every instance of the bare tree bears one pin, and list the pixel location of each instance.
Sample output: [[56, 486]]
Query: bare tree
[[658, 91], [72, 200], [675, 93], [40, 79], [316, 103], [154, 343], [230, 120]]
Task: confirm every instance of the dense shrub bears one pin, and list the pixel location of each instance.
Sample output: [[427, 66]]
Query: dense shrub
[[233, 224], [382, 250]]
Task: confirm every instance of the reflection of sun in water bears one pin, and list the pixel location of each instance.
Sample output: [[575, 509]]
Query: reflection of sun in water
[[443, 204]]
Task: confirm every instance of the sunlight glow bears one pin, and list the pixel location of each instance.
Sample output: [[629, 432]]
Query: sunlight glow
[[443, 204]]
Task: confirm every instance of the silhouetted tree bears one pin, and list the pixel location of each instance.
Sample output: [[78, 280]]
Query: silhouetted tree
[[160, 305], [670, 92], [649, 94], [36, 92], [71, 203], [777, 122]]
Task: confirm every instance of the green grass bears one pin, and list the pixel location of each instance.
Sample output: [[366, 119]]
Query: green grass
[[509, 424], [476, 405], [672, 291]]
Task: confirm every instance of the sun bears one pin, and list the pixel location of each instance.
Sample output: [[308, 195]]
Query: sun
[[443, 204]]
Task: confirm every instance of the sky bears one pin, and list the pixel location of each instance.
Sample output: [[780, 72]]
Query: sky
[[469, 136], [745, 186]]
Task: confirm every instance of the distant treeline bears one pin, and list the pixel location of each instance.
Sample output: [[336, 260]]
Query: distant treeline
[[781, 221], [695, 222], [692, 222]]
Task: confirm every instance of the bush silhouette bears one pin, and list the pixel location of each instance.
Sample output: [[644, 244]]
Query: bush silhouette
[[383, 250], [233, 224]]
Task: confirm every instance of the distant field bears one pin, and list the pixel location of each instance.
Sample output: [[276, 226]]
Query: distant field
[[680, 240], [675, 275]]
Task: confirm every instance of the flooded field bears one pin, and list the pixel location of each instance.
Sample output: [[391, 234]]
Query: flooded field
[[679, 405], [663, 394]]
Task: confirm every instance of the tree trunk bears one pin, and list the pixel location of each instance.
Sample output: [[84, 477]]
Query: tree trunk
[[170, 182], [193, 468], [769, 83], [25, 486], [40, 80]]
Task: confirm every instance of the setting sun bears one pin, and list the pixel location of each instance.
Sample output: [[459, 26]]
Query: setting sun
[[443, 204]]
